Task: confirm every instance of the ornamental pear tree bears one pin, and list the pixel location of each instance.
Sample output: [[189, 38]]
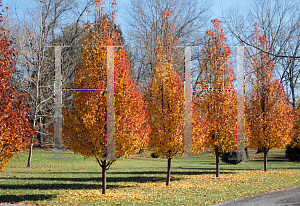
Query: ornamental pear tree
[[15, 130], [295, 142], [217, 98], [85, 128], [270, 115], [165, 97]]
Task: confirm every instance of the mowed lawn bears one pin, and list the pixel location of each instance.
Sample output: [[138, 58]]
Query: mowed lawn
[[141, 180]]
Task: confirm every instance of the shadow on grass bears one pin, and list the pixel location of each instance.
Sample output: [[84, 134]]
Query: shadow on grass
[[139, 177], [270, 160], [48, 186], [175, 171], [222, 167], [13, 199]]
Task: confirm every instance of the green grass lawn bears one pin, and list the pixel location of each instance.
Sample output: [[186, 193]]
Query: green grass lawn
[[141, 180]]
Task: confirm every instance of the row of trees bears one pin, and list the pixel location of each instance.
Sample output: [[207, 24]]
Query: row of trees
[[154, 117], [15, 129], [44, 23], [269, 116]]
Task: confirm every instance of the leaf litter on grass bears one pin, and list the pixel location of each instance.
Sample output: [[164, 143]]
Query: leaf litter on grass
[[207, 188]]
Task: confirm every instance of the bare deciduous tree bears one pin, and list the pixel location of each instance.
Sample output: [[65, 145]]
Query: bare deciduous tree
[[146, 23], [34, 72], [279, 22]]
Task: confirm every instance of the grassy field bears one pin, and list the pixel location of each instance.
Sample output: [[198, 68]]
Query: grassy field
[[141, 180]]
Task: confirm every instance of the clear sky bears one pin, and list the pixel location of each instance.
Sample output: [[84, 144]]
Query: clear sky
[[216, 10], [122, 6]]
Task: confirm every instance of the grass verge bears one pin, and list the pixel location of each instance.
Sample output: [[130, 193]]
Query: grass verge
[[141, 180]]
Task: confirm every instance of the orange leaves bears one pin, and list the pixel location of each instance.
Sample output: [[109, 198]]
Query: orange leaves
[[15, 131], [166, 14], [165, 97], [268, 103], [84, 130], [269, 112], [218, 105]]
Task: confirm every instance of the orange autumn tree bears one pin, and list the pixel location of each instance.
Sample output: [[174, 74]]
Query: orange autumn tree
[[295, 141], [15, 131], [269, 112], [217, 104], [165, 97], [84, 130]]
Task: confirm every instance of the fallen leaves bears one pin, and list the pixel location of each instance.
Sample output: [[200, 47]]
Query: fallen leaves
[[210, 189]]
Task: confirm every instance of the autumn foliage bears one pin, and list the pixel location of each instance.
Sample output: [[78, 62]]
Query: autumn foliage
[[295, 141], [269, 113], [15, 131], [84, 129], [165, 97], [216, 95]]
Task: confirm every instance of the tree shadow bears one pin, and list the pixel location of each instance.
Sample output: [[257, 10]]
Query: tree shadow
[[49, 186], [13, 199], [118, 176], [139, 179], [175, 171], [271, 160], [291, 168], [221, 168]]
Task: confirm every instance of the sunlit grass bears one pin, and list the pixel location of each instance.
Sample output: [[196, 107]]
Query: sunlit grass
[[141, 180]]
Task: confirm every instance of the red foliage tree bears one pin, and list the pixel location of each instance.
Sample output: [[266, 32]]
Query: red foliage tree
[[85, 126], [218, 104], [15, 131], [269, 113]]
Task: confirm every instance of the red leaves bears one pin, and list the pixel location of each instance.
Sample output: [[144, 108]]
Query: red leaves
[[165, 97], [269, 112], [219, 107], [15, 131], [166, 14], [84, 128], [114, 3]]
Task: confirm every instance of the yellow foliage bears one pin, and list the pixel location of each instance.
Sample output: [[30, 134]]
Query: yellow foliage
[[270, 115], [218, 105], [165, 97], [84, 129]]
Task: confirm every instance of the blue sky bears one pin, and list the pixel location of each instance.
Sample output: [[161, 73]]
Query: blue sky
[[123, 4], [216, 10]]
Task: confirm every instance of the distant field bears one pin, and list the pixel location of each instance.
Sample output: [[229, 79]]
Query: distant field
[[141, 180]]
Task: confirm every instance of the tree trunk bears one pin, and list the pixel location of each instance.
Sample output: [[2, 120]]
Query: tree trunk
[[247, 153], [259, 151], [217, 164], [30, 156], [169, 172], [265, 160], [293, 94], [104, 177]]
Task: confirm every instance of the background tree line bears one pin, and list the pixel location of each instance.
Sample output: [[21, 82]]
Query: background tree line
[[62, 22]]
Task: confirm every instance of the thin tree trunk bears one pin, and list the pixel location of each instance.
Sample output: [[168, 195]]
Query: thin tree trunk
[[293, 94], [247, 153], [35, 118], [169, 172], [30, 156], [217, 164], [265, 160], [259, 151], [104, 177]]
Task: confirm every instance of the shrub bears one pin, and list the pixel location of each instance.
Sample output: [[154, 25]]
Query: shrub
[[293, 154], [225, 157], [154, 155]]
